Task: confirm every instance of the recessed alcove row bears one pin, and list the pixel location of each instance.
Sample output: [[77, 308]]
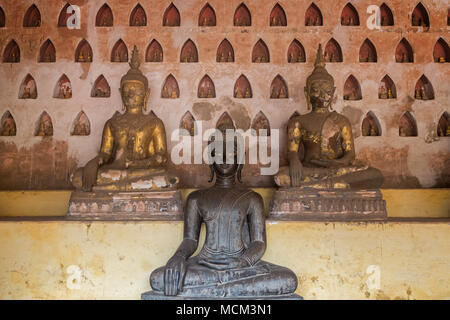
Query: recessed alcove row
[[242, 16], [81, 125], [225, 52], [206, 89]]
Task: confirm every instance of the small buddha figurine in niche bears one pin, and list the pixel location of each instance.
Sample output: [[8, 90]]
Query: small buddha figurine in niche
[[166, 92], [247, 93], [423, 93], [45, 127], [274, 94], [81, 57], [133, 153], [417, 94], [9, 127], [238, 94], [229, 264], [321, 150], [282, 93], [383, 94], [101, 93], [230, 57], [80, 129], [291, 58], [404, 57], [116, 57], [390, 96]]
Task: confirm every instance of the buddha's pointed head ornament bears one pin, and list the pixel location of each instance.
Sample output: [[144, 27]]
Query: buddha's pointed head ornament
[[319, 90], [134, 85]]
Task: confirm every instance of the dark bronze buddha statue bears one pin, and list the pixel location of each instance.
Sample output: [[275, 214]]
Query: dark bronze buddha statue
[[229, 265]]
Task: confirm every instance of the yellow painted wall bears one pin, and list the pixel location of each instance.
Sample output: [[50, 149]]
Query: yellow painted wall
[[427, 203], [111, 260]]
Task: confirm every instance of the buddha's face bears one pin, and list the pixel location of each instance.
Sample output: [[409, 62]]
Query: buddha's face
[[226, 169], [134, 95], [320, 94]]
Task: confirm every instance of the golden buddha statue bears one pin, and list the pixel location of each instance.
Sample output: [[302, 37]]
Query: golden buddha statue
[[321, 150], [133, 152]]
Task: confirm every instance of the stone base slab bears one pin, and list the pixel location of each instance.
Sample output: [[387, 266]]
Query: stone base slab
[[155, 205], [152, 295], [334, 205]]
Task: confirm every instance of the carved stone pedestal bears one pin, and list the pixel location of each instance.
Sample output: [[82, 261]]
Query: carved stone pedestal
[[152, 295], [155, 205], [332, 205]]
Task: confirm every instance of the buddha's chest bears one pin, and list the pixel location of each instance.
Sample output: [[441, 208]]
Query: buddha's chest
[[132, 137], [224, 209]]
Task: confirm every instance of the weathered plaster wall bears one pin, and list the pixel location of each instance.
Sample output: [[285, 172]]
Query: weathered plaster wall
[[29, 162], [101, 260]]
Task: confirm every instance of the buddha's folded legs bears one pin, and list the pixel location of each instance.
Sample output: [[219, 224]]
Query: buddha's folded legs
[[367, 178], [262, 279]]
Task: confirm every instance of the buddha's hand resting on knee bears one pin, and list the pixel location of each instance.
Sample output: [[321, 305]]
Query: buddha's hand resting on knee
[[296, 172], [174, 275], [90, 174], [225, 264]]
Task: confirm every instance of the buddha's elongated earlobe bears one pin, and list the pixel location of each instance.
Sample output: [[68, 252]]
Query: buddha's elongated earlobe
[[212, 172], [147, 94], [239, 172], [308, 102]]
